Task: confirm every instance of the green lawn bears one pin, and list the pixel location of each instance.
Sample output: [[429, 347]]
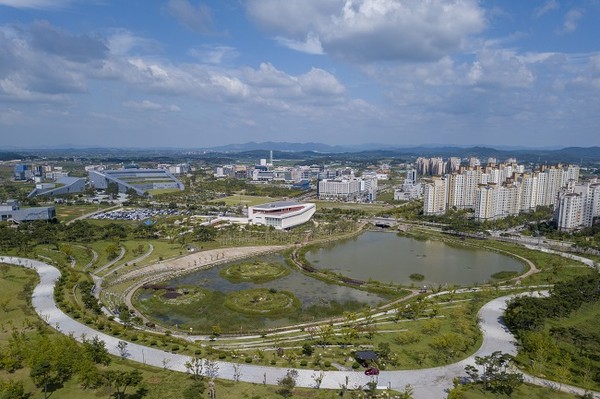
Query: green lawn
[[66, 213], [246, 200]]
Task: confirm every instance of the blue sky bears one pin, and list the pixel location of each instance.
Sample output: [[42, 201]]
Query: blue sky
[[189, 73]]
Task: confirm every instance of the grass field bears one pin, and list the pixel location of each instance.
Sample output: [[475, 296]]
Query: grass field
[[66, 213], [246, 200]]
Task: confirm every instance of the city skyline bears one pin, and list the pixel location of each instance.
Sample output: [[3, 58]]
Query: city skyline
[[183, 73]]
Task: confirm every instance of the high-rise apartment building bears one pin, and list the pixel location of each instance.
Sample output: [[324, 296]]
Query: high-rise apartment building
[[435, 196]]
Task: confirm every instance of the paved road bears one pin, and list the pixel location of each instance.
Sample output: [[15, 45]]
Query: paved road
[[427, 383]]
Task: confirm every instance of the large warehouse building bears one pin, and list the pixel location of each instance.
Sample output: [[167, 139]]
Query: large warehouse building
[[282, 214], [140, 180], [62, 186]]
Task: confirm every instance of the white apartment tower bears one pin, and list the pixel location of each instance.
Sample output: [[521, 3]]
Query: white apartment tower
[[435, 196]]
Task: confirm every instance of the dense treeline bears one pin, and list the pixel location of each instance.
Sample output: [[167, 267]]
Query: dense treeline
[[54, 359], [560, 335], [527, 313], [28, 235]]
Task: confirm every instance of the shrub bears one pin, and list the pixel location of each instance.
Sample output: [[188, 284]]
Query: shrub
[[174, 348], [303, 363], [327, 363], [355, 365], [248, 359]]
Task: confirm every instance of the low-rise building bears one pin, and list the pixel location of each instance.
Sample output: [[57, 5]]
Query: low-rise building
[[12, 211], [282, 214]]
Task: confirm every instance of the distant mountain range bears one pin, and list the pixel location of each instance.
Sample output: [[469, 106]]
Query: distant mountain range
[[316, 151]]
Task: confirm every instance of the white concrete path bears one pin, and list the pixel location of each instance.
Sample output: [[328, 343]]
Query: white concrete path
[[427, 383]]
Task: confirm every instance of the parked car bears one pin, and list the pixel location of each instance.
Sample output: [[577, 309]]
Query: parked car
[[372, 371]]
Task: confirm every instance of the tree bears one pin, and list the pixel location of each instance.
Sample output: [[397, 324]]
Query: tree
[[205, 233], [96, 350], [307, 349], [495, 377], [112, 189], [122, 347], [288, 383], [194, 366], [41, 374], [12, 390], [121, 380], [112, 251]]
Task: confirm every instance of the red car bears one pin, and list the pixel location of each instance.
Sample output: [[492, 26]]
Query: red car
[[372, 371]]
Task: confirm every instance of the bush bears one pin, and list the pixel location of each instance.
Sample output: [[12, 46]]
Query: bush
[[303, 363], [327, 363], [355, 365], [248, 359], [198, 352], [174, 348]]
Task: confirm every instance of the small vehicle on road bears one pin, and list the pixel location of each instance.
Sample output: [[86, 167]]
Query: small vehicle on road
[[372, 371]]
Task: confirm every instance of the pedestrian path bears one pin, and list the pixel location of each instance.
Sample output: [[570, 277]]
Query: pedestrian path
[[427, 383]]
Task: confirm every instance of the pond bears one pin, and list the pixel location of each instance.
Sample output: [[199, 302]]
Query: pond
[[318, 300], [389, 258]]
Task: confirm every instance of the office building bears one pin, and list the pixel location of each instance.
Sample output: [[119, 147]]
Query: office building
[[282, 214]]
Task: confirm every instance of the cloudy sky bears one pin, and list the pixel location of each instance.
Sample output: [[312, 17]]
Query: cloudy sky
[[190, 73]]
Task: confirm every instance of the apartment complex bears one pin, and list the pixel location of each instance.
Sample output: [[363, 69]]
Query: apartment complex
[[496, 191], [577, 205], [348, 189]]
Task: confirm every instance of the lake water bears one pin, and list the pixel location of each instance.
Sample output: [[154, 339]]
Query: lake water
[[387, 257]]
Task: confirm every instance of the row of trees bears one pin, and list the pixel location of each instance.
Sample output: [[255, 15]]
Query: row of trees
[[528, 313], [53, 360], [568, 348]]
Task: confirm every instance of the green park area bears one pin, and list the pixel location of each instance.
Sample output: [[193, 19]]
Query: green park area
[[407, 329], [245, 200]]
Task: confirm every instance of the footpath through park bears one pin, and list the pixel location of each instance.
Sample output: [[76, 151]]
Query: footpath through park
[[429, 383]]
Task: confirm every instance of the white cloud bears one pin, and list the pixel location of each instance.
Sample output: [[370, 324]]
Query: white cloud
[[500, 67], [548, 6], [571, 21], [36, 4], [147, 105], [371, 30], [196, 18], [122, 42], [214, 54], [311, 45]]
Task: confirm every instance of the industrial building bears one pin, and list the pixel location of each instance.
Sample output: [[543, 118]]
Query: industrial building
[[139, 180], [282, 214], [11, 211], [62, 186]]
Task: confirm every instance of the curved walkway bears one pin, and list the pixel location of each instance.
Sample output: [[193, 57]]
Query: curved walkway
[[112, 262], [427, 383], [132, 262]]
